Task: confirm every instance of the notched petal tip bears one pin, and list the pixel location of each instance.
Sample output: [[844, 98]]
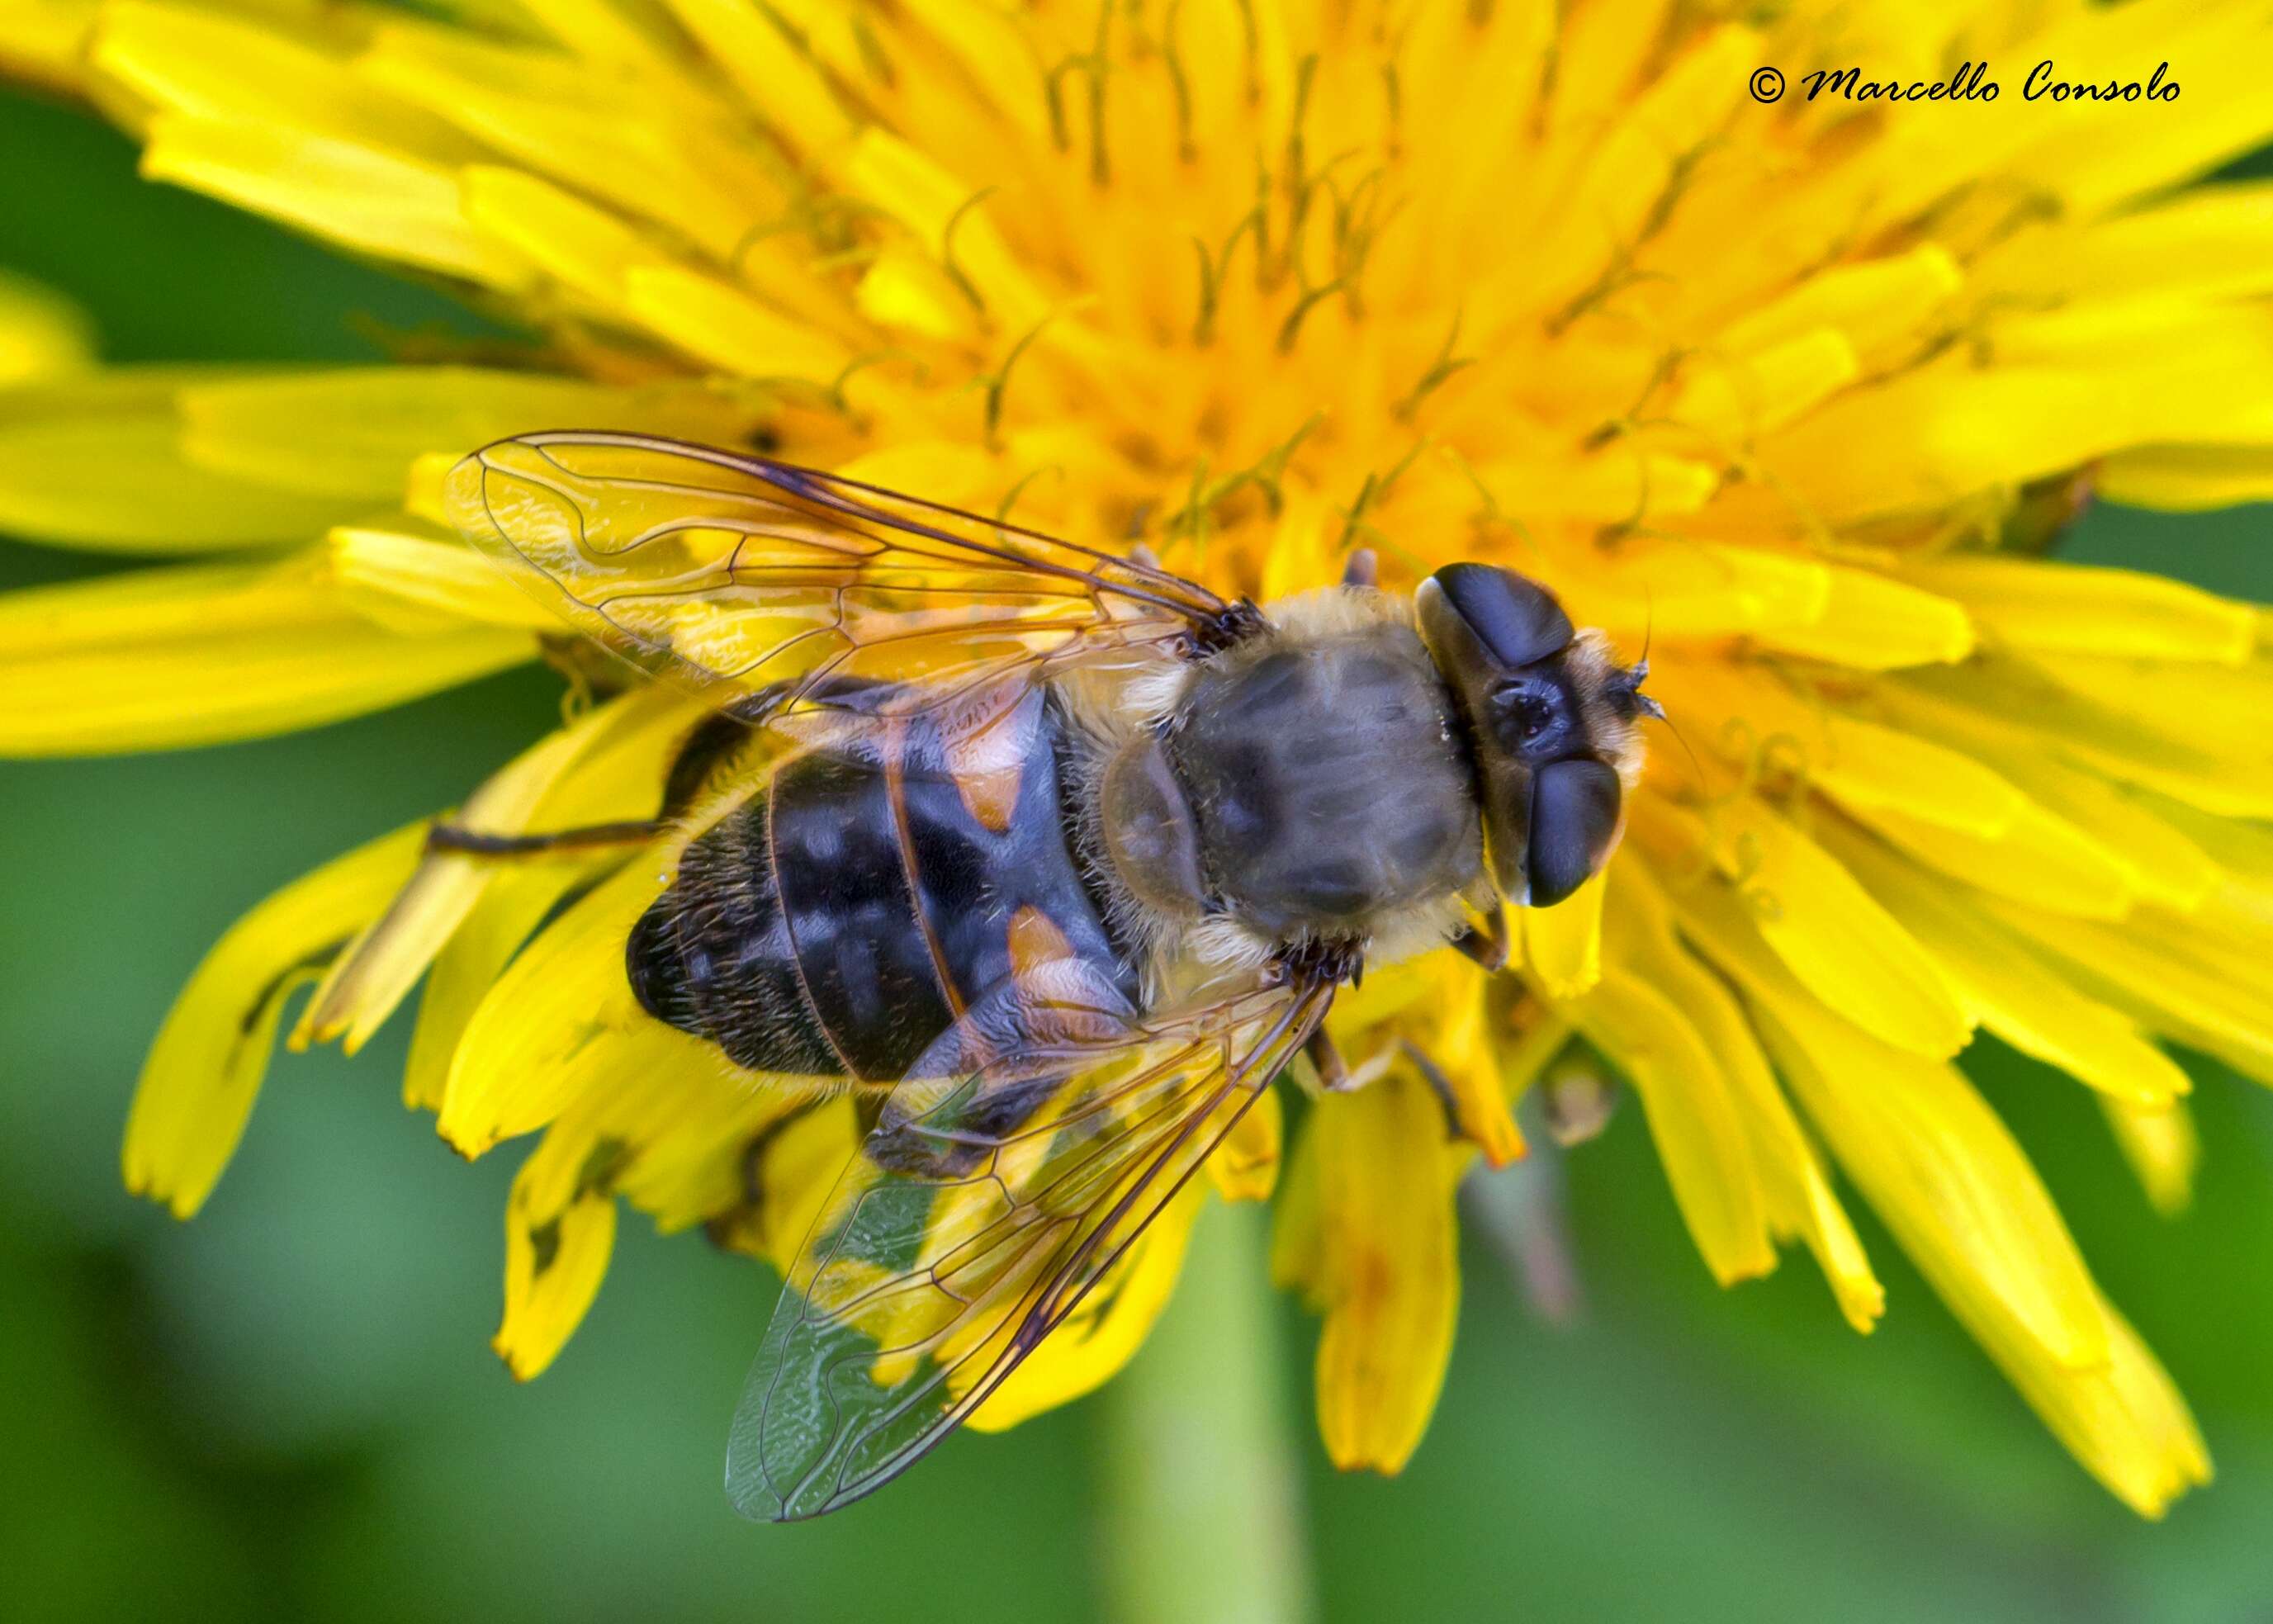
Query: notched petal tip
[[205, 1068]]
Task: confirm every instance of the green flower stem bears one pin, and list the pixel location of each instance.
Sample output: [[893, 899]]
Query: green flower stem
[[1202, 1504]]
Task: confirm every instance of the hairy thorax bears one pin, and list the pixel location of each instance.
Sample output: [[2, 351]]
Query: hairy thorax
[[1307, 785]]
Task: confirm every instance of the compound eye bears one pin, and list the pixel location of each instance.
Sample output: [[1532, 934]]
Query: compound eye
[[1516, 619], [1574, 823]]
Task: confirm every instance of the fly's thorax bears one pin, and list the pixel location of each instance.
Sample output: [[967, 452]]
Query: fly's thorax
[[1308, 782]]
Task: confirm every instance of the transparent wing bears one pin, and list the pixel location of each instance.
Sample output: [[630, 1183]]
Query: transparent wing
[[716, 569], [988, 1200]]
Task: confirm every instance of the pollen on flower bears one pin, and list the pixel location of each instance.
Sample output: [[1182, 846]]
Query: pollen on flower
[[1781, 389]]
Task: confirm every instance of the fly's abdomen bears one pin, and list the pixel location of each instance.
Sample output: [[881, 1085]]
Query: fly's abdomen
[[712, 956], [840, 920]]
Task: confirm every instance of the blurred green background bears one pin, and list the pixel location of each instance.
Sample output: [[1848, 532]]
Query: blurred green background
[[288, 1409]]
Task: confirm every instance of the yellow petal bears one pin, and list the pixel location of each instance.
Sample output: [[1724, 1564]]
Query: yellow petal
[[1245, 1167], [613, 777], [1104, 1332], [1562, 945], [1772, 728], [2060, 396], [1629, 162], [1736, 397], [2184, 977], [354, 433], [1388, 993], [202, 653], [2124, 1421], [2040, 859], [2007, 712], [678, 168], [2221, 46], [211, 66], [2189, 479], [1763, 589], [771, 64], [799, 1168], [2011, 988], [909, 293], [1688, 590], [2037, 604], [1693, 1119], [1847, 949], [524, 1055], [604, 34], [1874, 623], [2161, 1147], [42, 334], [412, 582], [2162, 863], [1937, 1165], [554, 1261], [359, 197], [1297, 1225], [1526, 1052], [727, 329], [2208, 239], [2242, 852], [1303, 551], [1479, 1066], [198, 1086], [1387, 1276], [1872, 302], [652, 1102], [471, 960], [372, 976], [1613, 485], [2217, 709], [1796, 1193], [911, 186], [45, 42], [725, 1160], [66, 450], [582, 246], [692, 1141]]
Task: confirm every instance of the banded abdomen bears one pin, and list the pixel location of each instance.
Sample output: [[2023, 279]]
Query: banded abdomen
[[839, 921]]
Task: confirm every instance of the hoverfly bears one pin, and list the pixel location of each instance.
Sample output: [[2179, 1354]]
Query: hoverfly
[[1057, 857]]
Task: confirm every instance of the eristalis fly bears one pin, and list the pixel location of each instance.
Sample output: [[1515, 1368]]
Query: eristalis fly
[[1057, 857]]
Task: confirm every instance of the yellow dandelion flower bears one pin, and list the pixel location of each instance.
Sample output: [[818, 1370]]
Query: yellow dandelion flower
[[1795, 391]]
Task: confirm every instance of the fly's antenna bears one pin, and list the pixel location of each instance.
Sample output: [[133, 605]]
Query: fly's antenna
[[1649, 707], [1627, 683], [1704, 785]]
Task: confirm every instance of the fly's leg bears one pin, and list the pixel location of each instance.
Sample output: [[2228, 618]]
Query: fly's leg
[[1487, 946], [552, 843], [1333, 1070]]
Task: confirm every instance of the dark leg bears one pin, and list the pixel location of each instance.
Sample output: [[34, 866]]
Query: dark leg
[[1487, 947], [592, 837], [1362, 570], [1439, 1085], [1334, 1071]]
